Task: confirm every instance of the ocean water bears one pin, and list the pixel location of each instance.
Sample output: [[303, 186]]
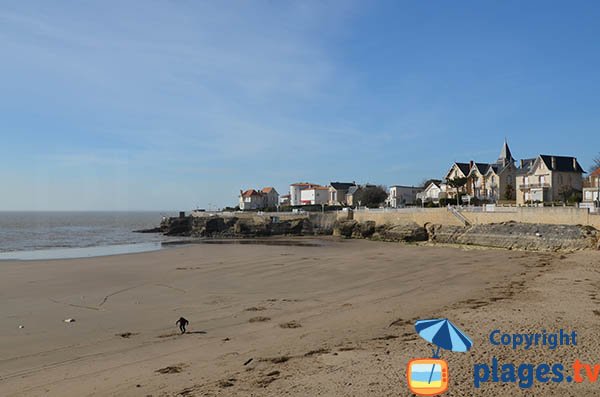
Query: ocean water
[[33, 231]]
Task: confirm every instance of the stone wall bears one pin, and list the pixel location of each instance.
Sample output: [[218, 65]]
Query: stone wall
[[441, 216]]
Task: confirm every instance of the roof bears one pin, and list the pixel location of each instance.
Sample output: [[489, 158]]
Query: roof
[[268, 189], [352, 189], [251, 192], [464, 167], [596, 173], [430, 181], [493, 167], [342, 185], [408, 187], [505, 153], [562, 163], [482, 167], [304, 184]]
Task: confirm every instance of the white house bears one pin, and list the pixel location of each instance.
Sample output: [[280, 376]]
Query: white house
[[433, 192], [591, 188], [296, 189], [252, 199], [399, 196], [314, 195]]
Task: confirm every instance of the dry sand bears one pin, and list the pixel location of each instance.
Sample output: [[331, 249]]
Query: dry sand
[[332, 320]]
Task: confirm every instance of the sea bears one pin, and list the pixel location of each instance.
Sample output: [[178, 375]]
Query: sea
[[54, 235]]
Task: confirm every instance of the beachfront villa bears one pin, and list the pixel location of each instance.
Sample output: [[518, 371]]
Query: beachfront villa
[[401, 196], [591, 188], [252, 199], [296, 191], [433, 192], [548, 178], [315, 195], [486, 181], [337, 192]]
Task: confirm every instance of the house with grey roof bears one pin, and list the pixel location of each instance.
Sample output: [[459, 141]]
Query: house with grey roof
[[549, 178], [338, 191], [486, 181]]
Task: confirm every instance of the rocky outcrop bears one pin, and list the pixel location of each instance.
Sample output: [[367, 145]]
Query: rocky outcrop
[[407, 232], [217, 226], [508, 235], [400, 233], [524, 236]]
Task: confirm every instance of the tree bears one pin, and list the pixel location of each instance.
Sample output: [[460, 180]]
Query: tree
[[457, 183], [565, 191], [510, 190], [371, 196], [596, 164]]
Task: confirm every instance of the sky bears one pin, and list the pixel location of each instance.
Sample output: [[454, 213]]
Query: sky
[[172, 105]]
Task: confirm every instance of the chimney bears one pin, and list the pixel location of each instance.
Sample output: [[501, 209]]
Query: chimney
[[471, 164], [553, 162], [522, 163], [574, 163]]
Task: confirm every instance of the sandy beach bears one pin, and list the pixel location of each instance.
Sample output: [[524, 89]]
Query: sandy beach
[[334, 318]]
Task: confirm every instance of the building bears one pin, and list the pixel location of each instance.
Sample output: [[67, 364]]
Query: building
[[296, 189], [284, 200], [457, 170], [486, 181], [271, 197], [548, 178], [252, 199], [433, 192], [337, 192], [401, 196], [350, 195], [591, 188], [315, 195]]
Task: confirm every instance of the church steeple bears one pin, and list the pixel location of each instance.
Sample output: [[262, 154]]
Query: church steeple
[[505, 155]]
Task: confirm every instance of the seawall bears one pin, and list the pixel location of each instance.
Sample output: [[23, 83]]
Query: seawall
[[443, 216]]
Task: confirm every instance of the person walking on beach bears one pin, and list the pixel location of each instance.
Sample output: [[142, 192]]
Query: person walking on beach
[[182, 324]]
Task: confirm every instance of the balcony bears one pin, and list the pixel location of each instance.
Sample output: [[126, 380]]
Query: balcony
[[534, 186]]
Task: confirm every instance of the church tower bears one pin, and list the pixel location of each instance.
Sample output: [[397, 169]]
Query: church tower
[[506, 157]]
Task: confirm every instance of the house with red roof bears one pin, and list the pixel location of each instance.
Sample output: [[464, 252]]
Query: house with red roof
[[252, 199]]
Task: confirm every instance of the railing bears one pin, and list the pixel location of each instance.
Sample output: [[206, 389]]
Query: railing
[[459, 216], [534, 186]]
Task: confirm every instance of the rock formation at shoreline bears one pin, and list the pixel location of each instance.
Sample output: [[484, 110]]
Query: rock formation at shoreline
[[507, 235]]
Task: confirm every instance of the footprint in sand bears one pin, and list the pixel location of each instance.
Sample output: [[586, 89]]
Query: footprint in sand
[[128, 335], [259, 319], [291, 324], [172, 369]]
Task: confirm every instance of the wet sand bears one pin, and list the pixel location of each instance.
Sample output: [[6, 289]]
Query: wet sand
[[271, 320]]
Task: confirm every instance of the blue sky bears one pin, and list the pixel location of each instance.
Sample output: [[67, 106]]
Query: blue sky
[[167, 105]]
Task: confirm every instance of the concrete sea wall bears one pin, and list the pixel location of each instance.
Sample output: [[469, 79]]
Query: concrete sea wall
[[442, 216]]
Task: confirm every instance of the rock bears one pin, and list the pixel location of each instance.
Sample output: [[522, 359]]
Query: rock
[[365, 229], [152, 230], [69, 320], [410, 232], [524, 236], [21, 326], [344, 228]]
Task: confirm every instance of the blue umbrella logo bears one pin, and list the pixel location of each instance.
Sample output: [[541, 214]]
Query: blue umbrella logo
[[443, 334]]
